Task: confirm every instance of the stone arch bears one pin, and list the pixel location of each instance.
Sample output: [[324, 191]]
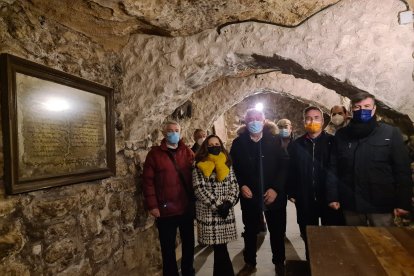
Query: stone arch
[[215, 99], [275, 106], [360, 55]]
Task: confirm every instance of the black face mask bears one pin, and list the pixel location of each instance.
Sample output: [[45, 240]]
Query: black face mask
[[215, 150]]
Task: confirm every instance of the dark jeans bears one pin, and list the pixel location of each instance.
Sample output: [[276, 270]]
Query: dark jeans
[[363, 219], [276, 224], [222, 262], [327, 215], [167, 229]]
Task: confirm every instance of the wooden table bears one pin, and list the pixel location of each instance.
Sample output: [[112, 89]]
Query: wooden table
[[350, 250]]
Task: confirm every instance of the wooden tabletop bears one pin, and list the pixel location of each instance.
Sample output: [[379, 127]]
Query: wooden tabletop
[[350, 250]]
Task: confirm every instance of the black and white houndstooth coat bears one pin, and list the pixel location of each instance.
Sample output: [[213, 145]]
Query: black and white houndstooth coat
[[211, 228]]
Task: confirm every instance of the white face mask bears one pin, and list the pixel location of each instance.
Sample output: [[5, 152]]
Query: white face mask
[[200, 141], [337, 119]]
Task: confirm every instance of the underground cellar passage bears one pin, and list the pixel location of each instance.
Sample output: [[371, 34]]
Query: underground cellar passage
[[199, 63]]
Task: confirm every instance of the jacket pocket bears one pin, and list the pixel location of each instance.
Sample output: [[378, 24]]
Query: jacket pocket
[[380, 150]]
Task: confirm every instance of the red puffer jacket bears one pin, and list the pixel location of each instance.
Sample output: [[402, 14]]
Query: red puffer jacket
[[161, 183]]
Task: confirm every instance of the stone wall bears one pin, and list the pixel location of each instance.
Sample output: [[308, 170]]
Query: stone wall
[[350, 47], [101, 227], [94, 228], [219, 96]]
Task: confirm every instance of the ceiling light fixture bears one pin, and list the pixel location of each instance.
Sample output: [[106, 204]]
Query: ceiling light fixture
[[259, 107]]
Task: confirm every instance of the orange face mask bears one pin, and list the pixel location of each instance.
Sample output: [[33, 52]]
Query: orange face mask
[[313, 127]]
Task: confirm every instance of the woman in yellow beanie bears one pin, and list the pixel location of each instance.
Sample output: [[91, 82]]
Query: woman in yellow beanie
[[217, 191]]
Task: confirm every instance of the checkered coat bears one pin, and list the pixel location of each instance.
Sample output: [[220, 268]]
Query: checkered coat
[[211, 228]]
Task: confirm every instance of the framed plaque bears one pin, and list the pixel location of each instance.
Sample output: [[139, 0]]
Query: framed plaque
[[58, 129]]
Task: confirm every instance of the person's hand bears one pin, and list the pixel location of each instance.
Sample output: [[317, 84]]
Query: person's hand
[[155, 212], [269, 196], [292, 200], [400, 212], [335, 205], [224, 209], [246, 192]]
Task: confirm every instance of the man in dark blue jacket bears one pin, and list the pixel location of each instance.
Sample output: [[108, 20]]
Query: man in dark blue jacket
[[309, 159], [260, 164], [371, 176]]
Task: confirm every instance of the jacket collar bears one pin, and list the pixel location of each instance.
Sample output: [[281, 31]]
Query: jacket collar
[[164, 144], [306, 138]]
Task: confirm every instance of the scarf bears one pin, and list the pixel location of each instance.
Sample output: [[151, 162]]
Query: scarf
[[359, 130], [214, 162]]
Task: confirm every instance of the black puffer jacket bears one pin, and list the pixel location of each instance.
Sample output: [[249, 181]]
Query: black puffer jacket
[[245, 155], [372, 174], [309, 161]]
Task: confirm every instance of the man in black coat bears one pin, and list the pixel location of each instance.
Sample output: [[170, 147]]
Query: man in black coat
[[371, 176], [260, 165], [309, 160]]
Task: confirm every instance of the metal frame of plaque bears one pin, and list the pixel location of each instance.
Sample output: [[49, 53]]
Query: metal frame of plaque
[[58, 129]]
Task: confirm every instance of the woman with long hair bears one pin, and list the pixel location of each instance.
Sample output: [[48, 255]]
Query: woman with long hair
[[217, 191]]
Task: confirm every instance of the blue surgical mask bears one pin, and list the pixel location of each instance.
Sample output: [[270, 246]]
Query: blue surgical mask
[[255, 127], [173, 137], [362, 115], [284, 133]]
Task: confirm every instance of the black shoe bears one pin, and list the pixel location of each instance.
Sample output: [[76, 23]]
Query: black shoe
[[247, 269]]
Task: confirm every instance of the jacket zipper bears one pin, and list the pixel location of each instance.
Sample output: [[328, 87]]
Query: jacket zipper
[[313, 170], [353, 171]]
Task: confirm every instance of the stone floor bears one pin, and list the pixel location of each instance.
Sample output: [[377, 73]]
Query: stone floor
[[295, 249]]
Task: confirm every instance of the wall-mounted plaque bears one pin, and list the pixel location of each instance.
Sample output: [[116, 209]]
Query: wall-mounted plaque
[[57, 128]]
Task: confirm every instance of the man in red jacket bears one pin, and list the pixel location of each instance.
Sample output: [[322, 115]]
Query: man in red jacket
[[168, 194]]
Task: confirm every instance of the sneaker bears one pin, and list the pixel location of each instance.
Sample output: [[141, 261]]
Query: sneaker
[[247, 269]]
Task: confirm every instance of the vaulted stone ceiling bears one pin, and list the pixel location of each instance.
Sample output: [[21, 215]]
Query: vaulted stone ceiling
[[355, 45], [112, 22], [159, 55], [207, 110], [172, 49]]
